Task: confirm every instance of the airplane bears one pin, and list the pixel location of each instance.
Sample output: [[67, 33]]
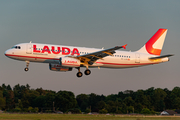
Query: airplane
[[64, 58]]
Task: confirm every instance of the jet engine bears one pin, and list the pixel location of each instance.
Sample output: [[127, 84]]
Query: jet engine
[[57, 67], [69, 62]]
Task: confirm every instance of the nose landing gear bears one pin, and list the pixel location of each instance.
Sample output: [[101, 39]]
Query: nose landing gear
[[27, 64]]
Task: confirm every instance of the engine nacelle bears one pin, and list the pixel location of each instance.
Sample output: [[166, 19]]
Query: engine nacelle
[[57, 67], [69, 62]]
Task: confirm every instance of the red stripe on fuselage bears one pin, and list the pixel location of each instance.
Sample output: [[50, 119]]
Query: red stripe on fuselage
[[96, 62], [124, 64], [31, 57]]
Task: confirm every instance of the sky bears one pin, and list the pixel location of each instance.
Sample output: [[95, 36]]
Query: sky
[[90, 23]]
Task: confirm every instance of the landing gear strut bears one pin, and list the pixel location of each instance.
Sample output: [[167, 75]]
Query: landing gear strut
[[27, 64], [87, 71]]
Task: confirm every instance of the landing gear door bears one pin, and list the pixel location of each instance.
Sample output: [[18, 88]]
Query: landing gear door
[[29, 48], [137, 60]]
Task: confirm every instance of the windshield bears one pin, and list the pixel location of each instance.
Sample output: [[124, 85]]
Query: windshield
[[16, 47]]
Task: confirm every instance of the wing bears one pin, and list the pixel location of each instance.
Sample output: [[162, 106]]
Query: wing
[[90, 58]]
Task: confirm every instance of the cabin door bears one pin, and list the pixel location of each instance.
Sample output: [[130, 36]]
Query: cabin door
[[29, 48], [137, 60]]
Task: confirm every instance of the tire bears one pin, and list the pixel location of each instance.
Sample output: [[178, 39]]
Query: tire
[[79, 74], [87, 72], [26, 69]]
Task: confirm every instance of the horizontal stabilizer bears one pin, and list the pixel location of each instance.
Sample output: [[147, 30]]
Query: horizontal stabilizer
[[159, 57]]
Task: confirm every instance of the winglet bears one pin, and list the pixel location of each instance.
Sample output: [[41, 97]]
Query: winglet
[[124, 46]]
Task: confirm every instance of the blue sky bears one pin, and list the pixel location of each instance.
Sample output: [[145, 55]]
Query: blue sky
[[93, 23]]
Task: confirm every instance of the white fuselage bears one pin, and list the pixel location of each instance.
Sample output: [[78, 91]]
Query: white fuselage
[[47, 53]]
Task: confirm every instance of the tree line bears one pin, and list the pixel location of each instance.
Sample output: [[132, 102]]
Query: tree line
[[21, 98]]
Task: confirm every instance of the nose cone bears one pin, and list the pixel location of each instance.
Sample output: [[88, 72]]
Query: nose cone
[[7, 52]]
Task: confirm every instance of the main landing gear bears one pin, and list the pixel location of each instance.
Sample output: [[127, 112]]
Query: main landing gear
[[86, 72], [27, 64]]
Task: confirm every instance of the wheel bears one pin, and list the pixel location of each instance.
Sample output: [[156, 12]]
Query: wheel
[[79, 74], [26, 69], [87, 72]]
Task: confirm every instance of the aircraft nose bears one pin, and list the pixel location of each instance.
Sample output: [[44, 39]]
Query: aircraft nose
[[7, 52]]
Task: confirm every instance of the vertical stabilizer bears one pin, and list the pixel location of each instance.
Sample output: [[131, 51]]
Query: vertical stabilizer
[[155, 43]]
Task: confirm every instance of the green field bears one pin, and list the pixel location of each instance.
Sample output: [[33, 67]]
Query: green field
[[83, 117]]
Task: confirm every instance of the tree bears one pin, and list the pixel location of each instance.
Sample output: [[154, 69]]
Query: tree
[[176, 103], [50, 98], [111, 97], [131, 109], [167, 99], [145, 111], [141, 98], [111, 106], [175, 94], [9, 87], [75, 111], [10, 99], [138, 108], [93, 102], [87, 110], [101, 105], [158, 97], [2, 100], [82, 101], [40, 102], [20, 105], [30, 109], [35, 109], [65, 100], [129, 101], [4, 86], [17, 109], [103, 111], [32, 95]]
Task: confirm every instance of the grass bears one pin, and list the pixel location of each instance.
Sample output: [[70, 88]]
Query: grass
[[6, 116]]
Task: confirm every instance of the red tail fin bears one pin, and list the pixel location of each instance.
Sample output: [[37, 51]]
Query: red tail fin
[[155, 43]]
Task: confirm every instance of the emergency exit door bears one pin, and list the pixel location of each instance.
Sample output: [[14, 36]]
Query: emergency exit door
[[29, 48]]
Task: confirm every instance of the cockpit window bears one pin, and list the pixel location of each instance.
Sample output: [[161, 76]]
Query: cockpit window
[[17, 47]]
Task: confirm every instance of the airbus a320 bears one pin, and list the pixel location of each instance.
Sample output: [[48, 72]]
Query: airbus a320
[[64, 58]]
